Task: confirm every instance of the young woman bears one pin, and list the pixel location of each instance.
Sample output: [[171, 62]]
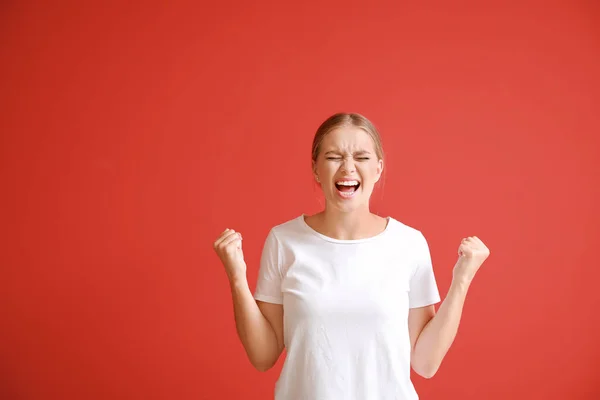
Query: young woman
[[350, 295]]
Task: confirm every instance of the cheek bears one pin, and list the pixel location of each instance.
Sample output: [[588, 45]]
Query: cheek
[[328, 170], [368, 171]]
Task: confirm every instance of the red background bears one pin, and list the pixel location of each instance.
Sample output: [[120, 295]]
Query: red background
[[132, 135]]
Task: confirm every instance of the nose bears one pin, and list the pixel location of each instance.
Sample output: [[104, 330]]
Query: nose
[[348, 165]]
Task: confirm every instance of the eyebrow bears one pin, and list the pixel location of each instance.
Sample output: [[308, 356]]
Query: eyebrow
[[356, 153]]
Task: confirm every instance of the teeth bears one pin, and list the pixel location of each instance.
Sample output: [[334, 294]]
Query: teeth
[[347, 183]]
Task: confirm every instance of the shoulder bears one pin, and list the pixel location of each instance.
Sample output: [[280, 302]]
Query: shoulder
[[404, 230], [287, 228], [411, 240]]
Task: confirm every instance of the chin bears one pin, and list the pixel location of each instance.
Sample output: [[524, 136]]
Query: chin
[[347, 206]]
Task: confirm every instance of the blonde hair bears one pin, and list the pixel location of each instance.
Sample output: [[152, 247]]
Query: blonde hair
[[346, 119]]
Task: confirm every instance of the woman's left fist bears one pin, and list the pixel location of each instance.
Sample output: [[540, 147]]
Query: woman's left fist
[[472, 252]]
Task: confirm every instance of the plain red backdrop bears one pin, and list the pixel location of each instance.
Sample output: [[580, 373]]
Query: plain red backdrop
[[133, 135]]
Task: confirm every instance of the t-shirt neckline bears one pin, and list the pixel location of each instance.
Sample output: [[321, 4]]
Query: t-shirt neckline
[[344, 241]]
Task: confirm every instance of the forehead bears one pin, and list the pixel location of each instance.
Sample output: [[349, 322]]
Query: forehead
[[348, 138]]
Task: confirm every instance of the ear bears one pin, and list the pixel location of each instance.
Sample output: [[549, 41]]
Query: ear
[[379, 170], [314, 170]]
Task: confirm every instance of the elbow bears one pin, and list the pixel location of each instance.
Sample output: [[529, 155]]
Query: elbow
[[262, 366], [426, 371], [263, 361], [427, 374]]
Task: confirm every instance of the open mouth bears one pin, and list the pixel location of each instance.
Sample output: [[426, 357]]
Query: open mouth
[[347, 188]]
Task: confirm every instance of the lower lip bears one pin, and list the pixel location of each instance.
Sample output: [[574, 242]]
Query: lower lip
[[346, 195]]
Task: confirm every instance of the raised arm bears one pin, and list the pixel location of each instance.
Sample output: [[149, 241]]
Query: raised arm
[[431, 333], [259, 325]]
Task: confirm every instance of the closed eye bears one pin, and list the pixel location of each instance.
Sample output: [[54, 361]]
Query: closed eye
[[339, 158]]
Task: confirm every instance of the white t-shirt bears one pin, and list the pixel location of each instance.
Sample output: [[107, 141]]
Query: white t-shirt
[[346, 308]]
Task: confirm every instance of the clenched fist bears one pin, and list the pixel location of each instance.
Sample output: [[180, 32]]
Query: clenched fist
[[472, 252], [229, 249]]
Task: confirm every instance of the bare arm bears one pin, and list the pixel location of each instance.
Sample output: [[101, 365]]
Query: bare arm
[[259, 326], [431, 333]]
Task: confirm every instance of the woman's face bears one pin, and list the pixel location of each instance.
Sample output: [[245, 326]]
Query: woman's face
[[347, 168]]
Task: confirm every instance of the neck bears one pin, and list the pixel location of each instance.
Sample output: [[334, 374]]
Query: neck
[[348, 225]]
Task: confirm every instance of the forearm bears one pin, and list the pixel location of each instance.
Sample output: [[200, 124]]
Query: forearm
[[439, 333], [253, 329]]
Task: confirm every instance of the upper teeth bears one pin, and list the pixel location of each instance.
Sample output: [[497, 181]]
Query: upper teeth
[[348, 183]]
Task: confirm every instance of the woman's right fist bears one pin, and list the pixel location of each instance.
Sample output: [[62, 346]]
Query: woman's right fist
[[229, 249]]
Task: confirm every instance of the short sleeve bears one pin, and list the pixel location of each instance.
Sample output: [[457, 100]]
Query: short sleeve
[[268, 284], [423, 287]]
